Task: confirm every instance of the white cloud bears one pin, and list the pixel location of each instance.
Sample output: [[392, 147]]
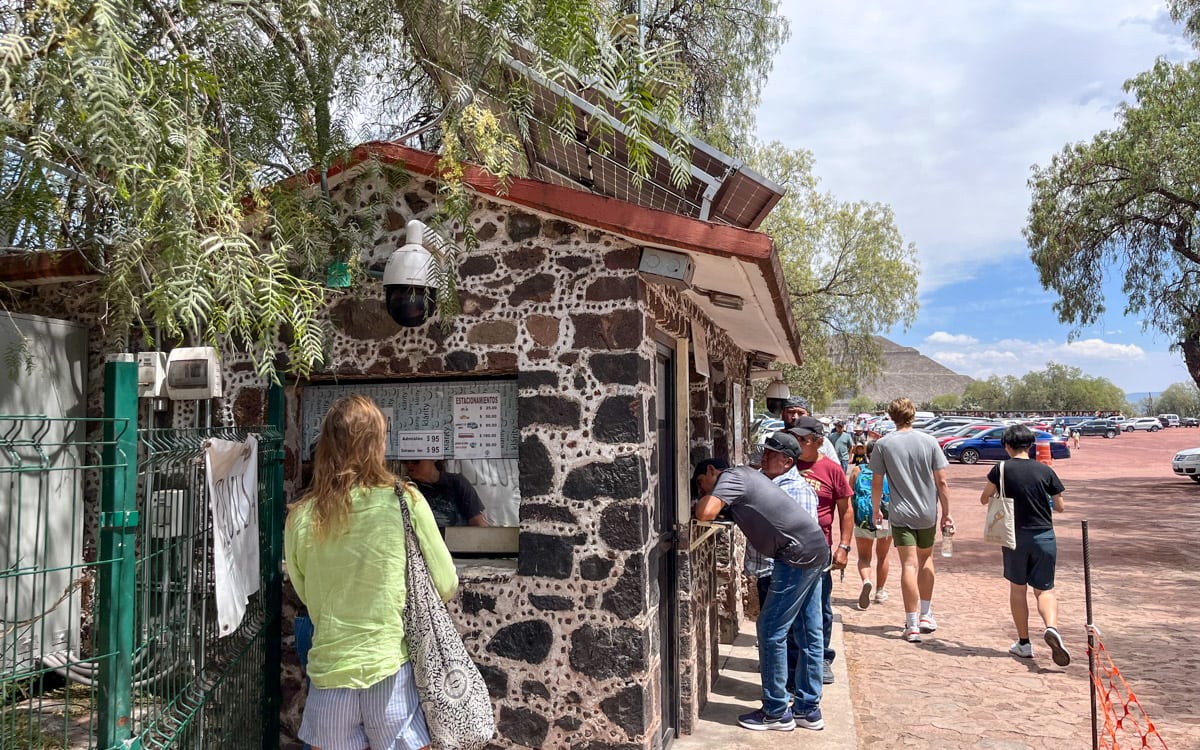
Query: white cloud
[[939, 109], [1098, 349], [941, 337], [1127, 365]]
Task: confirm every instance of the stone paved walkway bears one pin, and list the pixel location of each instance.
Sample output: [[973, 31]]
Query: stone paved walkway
[[961, 689]]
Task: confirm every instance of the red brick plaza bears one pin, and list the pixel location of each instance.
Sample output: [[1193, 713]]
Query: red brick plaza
[[961, 689]]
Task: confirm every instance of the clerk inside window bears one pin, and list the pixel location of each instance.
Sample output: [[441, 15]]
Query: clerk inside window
[[451, 497]]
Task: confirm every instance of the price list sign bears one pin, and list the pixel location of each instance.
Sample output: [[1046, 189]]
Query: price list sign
[[476, 425], [424, 444]]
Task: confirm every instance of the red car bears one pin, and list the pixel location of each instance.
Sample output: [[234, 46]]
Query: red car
[[968, 431]]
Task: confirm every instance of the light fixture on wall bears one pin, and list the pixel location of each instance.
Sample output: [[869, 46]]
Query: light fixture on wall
[[725, 300], [777, 395], [673, 269]]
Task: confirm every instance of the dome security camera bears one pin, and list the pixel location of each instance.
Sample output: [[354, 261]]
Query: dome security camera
[[410, 293], [777, 396]]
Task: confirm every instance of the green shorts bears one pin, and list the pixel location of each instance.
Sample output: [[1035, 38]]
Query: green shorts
[[920, 538]]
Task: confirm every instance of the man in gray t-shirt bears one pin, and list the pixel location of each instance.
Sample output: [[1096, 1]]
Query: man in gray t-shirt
[[915, 468], [778, 527]]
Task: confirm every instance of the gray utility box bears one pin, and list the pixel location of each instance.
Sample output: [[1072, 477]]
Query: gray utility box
[[43, 386]]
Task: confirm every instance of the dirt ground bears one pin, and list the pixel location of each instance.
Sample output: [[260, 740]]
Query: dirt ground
[[961, 689]]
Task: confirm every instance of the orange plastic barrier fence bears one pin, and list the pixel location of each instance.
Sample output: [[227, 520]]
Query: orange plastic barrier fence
[[1125, 725]]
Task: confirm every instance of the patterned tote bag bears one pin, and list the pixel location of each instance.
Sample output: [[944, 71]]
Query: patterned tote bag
[[453, 694]]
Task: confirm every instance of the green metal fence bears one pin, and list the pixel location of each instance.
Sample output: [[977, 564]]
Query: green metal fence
[[47, 589], [109, 632]]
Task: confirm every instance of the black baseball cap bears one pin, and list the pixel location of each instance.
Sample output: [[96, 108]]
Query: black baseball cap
[[807, 425], [782, 442]]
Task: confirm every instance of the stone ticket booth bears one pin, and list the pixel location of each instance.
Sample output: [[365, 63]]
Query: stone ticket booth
[[592, 604]]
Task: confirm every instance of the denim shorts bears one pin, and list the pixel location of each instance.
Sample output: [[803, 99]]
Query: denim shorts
[[384, 716], [1032, 562]]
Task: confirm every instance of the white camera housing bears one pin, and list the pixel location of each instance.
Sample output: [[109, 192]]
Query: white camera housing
[[410, 293]]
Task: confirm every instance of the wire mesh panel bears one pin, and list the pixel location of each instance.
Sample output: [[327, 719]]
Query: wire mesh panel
[[194, 688], [49, 661]]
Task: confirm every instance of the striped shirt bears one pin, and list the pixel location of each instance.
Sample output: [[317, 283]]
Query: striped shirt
[[758, 565]]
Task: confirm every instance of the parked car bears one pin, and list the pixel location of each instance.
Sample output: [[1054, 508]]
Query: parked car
[[1107, 428], [1065, 422], [1190, 422], [985, 446], [964, 432], [1169, 420], [1187, 464], [1150, 424], [941, 422]]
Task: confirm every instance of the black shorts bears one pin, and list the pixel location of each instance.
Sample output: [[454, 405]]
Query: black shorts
[[1032, 562]]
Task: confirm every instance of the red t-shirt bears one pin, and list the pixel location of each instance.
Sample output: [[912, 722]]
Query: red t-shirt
[[828, 479]]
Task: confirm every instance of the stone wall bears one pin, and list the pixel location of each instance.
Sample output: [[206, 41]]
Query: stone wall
[[568, 641]]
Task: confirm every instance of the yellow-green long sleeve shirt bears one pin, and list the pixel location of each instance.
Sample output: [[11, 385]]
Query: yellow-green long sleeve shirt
[[353, 585]]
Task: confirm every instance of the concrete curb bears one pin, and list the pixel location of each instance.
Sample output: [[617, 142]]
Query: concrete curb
[[738, 690]]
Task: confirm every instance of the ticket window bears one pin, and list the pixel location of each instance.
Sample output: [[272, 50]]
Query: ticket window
[[470, 425]]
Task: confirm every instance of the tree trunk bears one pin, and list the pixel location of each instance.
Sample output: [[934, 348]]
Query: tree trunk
[[1191, 355]]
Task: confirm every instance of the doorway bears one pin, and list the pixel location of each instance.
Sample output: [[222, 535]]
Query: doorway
[[663, 554]]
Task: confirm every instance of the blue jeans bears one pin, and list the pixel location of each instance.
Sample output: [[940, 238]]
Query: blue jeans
[[827, 614], [790, 589], [805, 647]]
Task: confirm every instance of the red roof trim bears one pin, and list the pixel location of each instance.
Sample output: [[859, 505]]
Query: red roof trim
[[608, 214], [45, 267]]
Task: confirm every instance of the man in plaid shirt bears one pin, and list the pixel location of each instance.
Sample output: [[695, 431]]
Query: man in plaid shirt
[[806, 646]]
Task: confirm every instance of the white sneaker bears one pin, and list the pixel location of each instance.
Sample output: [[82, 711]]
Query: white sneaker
[[912, 635], [1062, 657], [1023, 650], [881, 596], [864, 596], [928, 624]]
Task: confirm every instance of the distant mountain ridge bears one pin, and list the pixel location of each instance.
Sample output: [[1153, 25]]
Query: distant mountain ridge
[[907, 372]]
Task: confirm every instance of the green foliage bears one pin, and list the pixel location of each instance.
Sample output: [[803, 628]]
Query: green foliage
[[1128, 202], [850, 273], [727, 49], [860, 404], [1058, 388], [1178, 398], [152, 137], [945, 402]]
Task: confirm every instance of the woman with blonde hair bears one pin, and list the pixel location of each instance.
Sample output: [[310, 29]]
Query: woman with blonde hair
[[345, 551]]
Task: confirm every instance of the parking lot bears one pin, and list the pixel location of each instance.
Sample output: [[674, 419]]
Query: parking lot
[[961, 689]]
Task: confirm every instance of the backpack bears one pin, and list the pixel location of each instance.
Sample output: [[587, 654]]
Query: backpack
[[862, 499]]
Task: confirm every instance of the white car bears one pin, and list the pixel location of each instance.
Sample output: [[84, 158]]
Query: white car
[[1150, 424], [1187, 464]]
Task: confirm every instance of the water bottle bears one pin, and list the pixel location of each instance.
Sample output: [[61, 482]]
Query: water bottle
[[947, 541]]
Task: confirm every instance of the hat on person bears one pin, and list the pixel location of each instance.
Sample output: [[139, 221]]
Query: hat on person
[[796, 402], [839, 423], [782, 442], [807, 426]]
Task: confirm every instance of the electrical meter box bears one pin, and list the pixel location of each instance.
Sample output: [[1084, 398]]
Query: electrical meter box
[[193, 374], [152, 374]]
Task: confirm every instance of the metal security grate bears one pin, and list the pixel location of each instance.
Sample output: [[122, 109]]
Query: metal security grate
[[49, 661], [69, 679], [193, 687]]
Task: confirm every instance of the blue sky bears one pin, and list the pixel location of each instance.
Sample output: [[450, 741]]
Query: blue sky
[[940, 109]]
